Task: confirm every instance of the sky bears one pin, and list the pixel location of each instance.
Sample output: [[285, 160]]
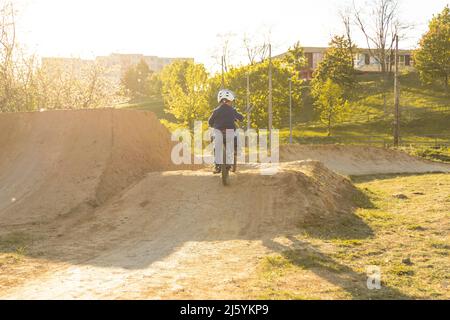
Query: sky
[[177, 28]]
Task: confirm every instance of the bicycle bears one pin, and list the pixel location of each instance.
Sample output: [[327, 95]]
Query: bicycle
[[224, 167]]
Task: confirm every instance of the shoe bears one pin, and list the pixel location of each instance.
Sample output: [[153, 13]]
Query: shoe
[[217, 169]]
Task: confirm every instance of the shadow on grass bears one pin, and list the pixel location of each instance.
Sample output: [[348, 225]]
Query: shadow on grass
[[344, 228], [343, 225], [311, 258]]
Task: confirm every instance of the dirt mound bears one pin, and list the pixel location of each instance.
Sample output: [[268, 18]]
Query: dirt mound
[[59, 162], [253, 205], [184, 227], [361, 160]]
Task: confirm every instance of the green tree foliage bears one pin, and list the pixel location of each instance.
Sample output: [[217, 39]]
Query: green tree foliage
[[330, 103], [185, 90], [295, 61], [190, 95], [288, 66], [236, 80], [337, 65], [432, 59], [17, 78], [136, 80], [333, 81], [154, 85]]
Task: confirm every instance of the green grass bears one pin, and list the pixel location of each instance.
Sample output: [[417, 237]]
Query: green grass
[[441, 154], [154, 104], [425, 111], [407, 239], [433, 129], [14, 240], [13, 248]]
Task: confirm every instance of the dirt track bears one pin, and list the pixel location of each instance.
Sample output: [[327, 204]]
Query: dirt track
[[109, 221], [361, 160]]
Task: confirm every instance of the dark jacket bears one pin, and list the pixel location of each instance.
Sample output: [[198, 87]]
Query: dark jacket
[[223, 117]]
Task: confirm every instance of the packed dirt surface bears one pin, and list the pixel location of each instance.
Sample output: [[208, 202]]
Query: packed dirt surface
[[361, 160], [100, 212], [61, 162], [181, 233]]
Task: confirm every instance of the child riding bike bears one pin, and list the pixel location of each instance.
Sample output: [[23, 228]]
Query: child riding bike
[[223, 118]]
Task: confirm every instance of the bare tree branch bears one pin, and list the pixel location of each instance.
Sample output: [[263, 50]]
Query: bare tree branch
[[380, 26], [346, 19]]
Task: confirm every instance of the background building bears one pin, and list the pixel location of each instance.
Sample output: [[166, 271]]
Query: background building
[[363, 60], [113, 65], [155, 63]]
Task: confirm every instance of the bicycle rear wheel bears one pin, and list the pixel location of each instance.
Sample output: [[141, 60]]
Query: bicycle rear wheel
[[233, 168], [225, 169]]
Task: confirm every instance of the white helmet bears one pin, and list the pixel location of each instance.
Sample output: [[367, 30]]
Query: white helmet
[[225, 94]]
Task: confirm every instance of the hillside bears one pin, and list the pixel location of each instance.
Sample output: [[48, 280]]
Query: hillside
[[153, 104], [425, 111]]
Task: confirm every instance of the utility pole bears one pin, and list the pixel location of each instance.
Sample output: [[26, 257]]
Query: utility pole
[[270, 93], [290, 110], [248, 101], [397, 98], [223, 76]]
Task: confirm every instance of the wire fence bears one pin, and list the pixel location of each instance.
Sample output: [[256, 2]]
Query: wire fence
[[431, 140]]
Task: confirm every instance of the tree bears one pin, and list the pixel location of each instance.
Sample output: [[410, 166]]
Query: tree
[[26, 83], [224, 51], [333, 81], [330, 103], [432, 59], [295, 60], [72, 84], [18, 89], [337, 65], [8, 46], [185, 91], [154, 85], [135, 80], [380, 26], [346, 19], [380, 23], [143, 73], [94, 88], [254, 50], [54, 84]]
